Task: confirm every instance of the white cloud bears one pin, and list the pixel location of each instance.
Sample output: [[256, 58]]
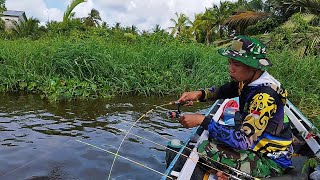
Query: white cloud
[[54, 14], [144, 14], [83, 9], [35, 8]]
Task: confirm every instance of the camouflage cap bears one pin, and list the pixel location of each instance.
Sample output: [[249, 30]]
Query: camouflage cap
[[249, 51]]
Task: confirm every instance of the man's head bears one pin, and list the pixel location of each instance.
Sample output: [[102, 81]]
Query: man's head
[[247, 56]]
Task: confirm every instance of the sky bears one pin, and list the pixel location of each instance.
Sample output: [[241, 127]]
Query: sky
[[144, 14]]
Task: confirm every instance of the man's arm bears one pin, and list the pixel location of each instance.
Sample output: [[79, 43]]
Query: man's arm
[[228, 90]]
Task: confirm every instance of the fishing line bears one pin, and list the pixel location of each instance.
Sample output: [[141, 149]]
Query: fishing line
[[184, 155], [233, 169], [117, 155], [147, 130], [238, 172]]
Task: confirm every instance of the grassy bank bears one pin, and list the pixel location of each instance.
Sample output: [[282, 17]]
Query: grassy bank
[[60, 68]]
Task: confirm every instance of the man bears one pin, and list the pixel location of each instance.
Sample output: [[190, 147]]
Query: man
[[261, 143]]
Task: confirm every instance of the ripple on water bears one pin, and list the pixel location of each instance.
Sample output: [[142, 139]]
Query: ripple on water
[[38, 138]]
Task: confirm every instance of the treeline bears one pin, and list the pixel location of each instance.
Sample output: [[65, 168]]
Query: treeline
[[295, 22]]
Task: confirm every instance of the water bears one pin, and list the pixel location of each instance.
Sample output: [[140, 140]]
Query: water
[[38, 138]]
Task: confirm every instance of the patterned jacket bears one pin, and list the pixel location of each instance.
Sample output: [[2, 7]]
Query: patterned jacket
[[264, 127]]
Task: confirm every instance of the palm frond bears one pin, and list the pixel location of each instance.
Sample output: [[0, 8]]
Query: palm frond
[[308, 17], [293, 23], [245, 18], [26, 28], [315, 44], [312, 6], [95, 14], [294, 6], [67, 14], [288, 25], [181, 24]]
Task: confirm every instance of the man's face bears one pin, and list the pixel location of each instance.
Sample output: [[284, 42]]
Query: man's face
[[239, 71]]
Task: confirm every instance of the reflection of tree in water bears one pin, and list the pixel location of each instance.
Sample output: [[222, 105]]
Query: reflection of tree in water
[[100, 121]]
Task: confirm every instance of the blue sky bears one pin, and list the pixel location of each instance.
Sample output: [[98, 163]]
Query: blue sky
[[144, 14], [55, 3]]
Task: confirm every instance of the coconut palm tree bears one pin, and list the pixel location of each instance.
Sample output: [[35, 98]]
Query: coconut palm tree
[[68, 14], [93, 18], [131, 29], [241, 20], [157, 28], [198, 28], [294, 6], [2, 25], [104, 25], [247, 13], [305, 38], [117, 26], [28, 28], [2, 6], [206, 22], [221, 13], [180, 25]]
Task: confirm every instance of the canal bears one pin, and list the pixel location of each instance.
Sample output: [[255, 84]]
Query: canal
[[39, 138]]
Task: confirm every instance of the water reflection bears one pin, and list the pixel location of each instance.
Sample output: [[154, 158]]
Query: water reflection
[[37, 138]]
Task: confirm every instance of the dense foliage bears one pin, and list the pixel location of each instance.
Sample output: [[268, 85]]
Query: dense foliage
[[85, 58], [2, 5], [90, 65]]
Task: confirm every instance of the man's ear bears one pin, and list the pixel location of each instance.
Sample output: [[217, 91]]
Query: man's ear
[[252, 70]]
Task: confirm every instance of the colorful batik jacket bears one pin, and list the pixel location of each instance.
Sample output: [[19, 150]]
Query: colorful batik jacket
[[264, 127]]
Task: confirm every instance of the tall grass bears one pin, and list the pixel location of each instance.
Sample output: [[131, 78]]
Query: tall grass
[[66, 68], [301, 77]]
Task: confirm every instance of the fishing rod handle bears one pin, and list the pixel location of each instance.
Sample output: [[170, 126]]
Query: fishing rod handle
[[180, 103]]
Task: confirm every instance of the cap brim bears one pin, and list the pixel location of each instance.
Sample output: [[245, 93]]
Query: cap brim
[[262, 64]]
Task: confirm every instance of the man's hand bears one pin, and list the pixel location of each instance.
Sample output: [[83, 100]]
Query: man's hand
[[190, 96], [191, 120], [222, 176]]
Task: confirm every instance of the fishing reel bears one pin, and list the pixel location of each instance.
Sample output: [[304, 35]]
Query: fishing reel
[[174, 114]]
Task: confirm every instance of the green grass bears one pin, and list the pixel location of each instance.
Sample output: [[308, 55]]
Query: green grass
[[68, 68], [301, 77]]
